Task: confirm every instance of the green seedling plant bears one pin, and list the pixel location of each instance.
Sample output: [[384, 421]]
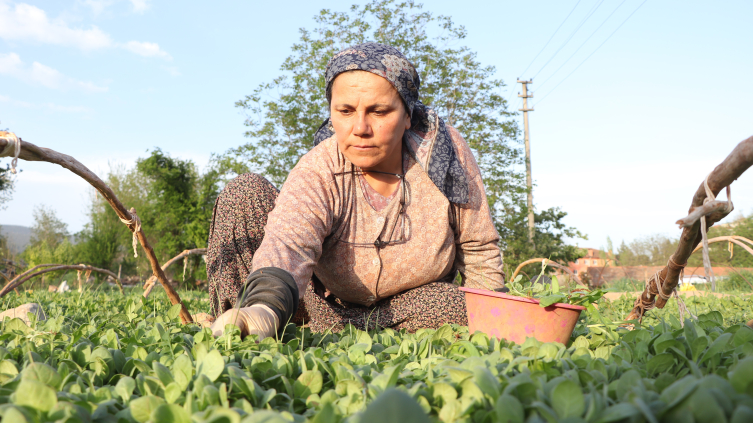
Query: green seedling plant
[[104, 357], [548, 294]]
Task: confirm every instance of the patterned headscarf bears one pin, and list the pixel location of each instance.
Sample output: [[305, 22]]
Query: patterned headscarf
[[442, 165]]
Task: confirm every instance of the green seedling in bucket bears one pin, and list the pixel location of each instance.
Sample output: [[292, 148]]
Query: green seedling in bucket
[[548, 294], [530, 310]]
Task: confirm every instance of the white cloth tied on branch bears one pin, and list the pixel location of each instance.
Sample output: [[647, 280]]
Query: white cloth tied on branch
[[137, 227], [86, 277], [704, 237], [12, 149]]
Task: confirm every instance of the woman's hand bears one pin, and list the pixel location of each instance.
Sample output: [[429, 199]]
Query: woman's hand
[[257, 319]]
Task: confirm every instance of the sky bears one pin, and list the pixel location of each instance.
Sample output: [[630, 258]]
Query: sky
[[635, 101]]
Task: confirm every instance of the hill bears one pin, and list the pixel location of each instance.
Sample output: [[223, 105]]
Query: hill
[[18, 236]]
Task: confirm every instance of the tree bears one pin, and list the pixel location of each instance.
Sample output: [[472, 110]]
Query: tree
[[7, 182], [283, 115], [5, 256], [549, 239], [179, 210], [170, 194], [7, 185], [101, 242], [173, 200], [462, 90], [652, 250], [48, 228], [105, 241], [655, 250], [50, 241]]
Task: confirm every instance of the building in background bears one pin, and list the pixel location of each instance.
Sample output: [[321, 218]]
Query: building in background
[[594, 258]]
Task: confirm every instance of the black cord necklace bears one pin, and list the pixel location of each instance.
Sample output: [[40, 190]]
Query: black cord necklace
[[399, 175], [379, 243]]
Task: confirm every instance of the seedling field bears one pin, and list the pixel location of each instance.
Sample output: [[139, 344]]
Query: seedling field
[[105, 357]]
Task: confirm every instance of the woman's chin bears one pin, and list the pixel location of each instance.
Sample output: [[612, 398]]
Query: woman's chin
[[365, 162]]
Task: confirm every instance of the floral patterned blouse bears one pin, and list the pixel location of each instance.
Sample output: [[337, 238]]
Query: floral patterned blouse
[[326, 222]]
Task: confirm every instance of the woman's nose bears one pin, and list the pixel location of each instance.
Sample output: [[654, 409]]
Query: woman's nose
[[362, 127]]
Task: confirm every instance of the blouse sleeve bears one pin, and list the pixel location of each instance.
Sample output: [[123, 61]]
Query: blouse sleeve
[[298, 224], [478, 257]]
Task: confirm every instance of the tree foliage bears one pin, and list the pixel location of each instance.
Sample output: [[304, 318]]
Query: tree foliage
[[174, 202], [652, 250], [50, 241], [549, 240], [48, 228], [6, 265], [105, 241], [7, 182], [655, 250], [171, 194], [284, 114]]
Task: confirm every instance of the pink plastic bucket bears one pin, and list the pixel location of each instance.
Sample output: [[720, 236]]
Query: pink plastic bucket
[[517, 318]]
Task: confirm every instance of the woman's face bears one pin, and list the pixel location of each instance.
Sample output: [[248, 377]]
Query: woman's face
[[369, 119]]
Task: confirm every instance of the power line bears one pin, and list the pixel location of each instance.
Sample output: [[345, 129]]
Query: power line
[[512, 89], [551, 38], [580, 25], [518, 102], [581, 46], [592, 53]]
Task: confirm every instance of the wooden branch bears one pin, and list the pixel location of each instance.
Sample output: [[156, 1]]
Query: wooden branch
[[742, 238], [705, 210], [548, 263], [30, 274], [737, 240], [149, 284], [736, 163], [31, 152], [39, 266]]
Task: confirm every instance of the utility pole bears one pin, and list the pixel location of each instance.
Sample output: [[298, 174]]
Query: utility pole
[[529, 179]]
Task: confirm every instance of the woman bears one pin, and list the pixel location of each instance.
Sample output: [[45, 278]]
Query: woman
[[371, 226]]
